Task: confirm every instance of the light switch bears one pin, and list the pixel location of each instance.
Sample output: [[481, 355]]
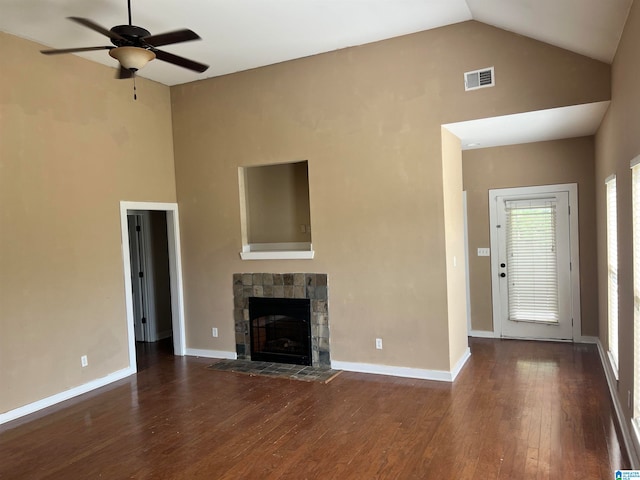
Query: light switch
[[484, 252]]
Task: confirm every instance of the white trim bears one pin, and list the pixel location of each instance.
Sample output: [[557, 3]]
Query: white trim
[[278, 255], [635, 441], [609, 178], [195, 352], [405, 372], [612, 364], [175, 277], [66, 395], [164, 334], [572, 189], [587, 339], [278, 247], [466, 257], [539, 339], [460, 363], [483, 334], [624, 427], [175, 274], [634, 162]]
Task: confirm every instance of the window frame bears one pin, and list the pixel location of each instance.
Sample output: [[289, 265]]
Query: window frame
[[635, 205], [612, 273]]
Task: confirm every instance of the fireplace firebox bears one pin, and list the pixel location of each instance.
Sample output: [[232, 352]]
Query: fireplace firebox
[[280, 330]]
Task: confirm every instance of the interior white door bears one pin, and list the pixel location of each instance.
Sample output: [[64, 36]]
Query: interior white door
[[138, 284], [533, 268]]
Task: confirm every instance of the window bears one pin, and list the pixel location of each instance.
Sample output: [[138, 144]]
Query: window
[[533, 264], [612, 268], [635, 195]]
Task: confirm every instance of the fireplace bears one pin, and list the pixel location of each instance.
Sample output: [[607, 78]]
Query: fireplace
[[312, 287], [280, 330]]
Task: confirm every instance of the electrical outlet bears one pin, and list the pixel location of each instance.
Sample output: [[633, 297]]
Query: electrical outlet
[[214, 332], [379, 343], [83, 361]]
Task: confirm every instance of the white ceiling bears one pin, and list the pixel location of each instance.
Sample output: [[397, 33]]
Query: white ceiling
[[243, 34], [540, 126]]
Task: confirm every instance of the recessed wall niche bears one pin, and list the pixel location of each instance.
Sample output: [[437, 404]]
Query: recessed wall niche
[[274, 209]]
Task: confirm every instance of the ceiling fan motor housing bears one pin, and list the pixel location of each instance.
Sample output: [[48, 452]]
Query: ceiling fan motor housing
[[132, 34]]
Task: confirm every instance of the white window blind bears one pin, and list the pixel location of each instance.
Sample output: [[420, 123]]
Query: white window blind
[[532, 260], [635, 182], [612, 264]]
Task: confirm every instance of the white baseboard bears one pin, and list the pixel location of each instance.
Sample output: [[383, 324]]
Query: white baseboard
[[460, 363], [66, 395], [165, 334], [490, 334], [585, 339], [406, 372], [195, 352], [483, 334], [624, 428]]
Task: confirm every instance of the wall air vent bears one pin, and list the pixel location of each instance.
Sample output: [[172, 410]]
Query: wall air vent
[[479, 79]]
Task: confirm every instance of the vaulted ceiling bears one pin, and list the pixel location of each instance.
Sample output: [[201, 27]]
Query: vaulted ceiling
[[243, 34]]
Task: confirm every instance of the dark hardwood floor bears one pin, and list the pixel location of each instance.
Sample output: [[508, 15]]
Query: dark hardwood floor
[[518, 410]]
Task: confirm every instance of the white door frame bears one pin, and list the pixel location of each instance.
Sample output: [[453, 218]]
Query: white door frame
[[465, 218], [175, 274], [572, 189]]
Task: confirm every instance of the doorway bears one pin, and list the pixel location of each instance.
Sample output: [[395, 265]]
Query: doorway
[[151, 292], [153, 277], [534, 262]]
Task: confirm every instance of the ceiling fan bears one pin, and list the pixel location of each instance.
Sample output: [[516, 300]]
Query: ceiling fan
[[135, 46]]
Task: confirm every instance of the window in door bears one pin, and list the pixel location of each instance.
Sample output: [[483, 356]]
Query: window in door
[[612, 270], [532, 260]]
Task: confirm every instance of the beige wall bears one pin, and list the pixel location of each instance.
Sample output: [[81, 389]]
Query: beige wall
[[277, 203], [617, 143], [368, 121], [73, 144], [544, 163], [454, 246]]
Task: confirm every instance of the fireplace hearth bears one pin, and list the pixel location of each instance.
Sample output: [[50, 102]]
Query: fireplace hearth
[[311, 287]]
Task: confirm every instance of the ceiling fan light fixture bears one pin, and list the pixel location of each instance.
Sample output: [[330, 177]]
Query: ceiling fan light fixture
[[132, 58]]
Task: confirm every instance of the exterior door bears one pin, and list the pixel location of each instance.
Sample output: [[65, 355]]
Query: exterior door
[[531, 264]]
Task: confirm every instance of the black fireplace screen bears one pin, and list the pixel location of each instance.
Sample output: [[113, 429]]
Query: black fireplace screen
[[280, 330]]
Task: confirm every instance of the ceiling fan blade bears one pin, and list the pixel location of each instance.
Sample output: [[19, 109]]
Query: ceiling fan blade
[[94, 26], [73, 50], [180, 61], [168, 38], [124, 73]]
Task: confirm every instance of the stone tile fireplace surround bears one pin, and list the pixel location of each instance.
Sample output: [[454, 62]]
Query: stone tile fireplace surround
[[284, 285]]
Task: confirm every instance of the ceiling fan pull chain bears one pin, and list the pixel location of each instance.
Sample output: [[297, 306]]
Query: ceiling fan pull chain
[[135, 97]]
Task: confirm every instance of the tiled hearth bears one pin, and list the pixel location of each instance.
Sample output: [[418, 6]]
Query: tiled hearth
[[284, 285]]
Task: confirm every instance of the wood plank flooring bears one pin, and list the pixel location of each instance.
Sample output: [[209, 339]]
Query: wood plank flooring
[[518, 410]]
